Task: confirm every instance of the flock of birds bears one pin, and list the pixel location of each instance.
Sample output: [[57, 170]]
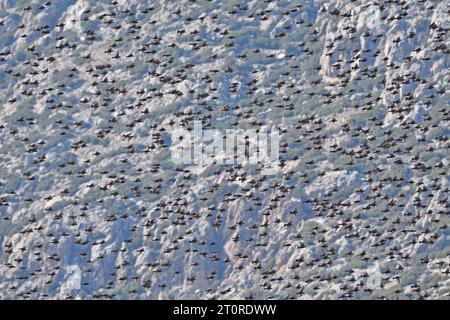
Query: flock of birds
[[358, 90]]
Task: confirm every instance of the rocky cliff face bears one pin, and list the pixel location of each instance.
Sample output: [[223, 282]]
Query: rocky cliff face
[[91, 206]]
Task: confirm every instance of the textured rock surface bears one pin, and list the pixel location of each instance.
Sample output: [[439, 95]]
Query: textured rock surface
[[92, 207]]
